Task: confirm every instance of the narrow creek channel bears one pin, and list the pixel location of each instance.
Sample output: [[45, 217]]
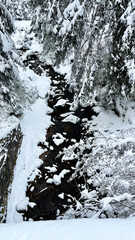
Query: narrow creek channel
[[52, 191]]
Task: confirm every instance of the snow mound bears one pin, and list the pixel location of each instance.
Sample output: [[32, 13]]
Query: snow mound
[[71, 118]]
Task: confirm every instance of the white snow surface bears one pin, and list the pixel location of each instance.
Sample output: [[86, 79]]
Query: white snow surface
[[58, 139], [80, 229], [61, 102], [71, 118], [34, 123], [57, 178], [7, 126]]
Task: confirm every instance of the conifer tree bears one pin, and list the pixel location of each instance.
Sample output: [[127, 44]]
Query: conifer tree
[[98, 36], [11, 90]]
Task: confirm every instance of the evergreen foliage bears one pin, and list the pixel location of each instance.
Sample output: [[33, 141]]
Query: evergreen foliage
[[98, 37], [11, 90], [19, 9]]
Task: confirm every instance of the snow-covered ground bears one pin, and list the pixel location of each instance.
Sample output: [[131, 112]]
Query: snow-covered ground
[[82, 229], [34, 123]]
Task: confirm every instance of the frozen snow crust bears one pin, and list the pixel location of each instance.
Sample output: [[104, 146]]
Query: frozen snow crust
[[70, 229]]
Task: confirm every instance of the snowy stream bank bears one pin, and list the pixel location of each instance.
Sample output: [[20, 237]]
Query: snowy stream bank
[[34, 123]]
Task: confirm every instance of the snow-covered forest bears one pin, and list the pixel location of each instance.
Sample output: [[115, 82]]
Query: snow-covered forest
[[67, 116]]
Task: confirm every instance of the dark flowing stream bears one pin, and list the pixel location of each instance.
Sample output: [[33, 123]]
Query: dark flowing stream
[[46, 196]]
